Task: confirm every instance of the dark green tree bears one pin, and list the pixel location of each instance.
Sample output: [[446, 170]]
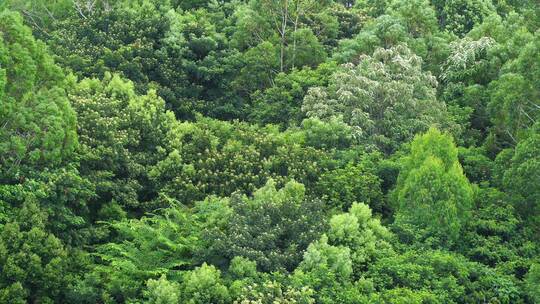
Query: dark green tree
[[35, 264], [273, 228], [120, 134], [533, 283], [459, 16], [144, 249], [522, 176]]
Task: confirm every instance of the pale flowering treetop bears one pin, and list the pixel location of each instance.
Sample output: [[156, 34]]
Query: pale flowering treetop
[[387, 98]]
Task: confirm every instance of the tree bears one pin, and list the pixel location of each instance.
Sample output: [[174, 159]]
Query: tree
[[349, 21], [446, 276], [331, 264], [432, 193], [405, 295], [281, 102], [306, 50], [459, 16], [352, 183], [273, 228], [37, 124], [162, 291], [284, 17], [182, 56], [208, 64], [373, 8], [204, 285], [120, 134], [522, 176], [327, 262], [35, 263], [465, 74], [384, 32], [533, 282], [386, 98], [261, 66], [477, 166], [274, 290], [211, 157], [513, 105], [143, 249], [472, 82], [327, 270], [279, 36], [62, 194], [411, 23], [365, 236], [418, 16], [495, 238], [41, 15], [333, 134], [515, 97]]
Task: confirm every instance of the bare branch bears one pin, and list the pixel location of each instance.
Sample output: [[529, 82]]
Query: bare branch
[[79, 9]]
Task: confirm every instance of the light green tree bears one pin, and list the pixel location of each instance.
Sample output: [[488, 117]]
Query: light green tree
[[327, 261], [162, 291], [37, 124], [204, 285], [433, 196], [333, 266], [144, 249], [364, 235]]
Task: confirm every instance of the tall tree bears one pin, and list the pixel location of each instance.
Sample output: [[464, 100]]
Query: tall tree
[[515, 96], [433, 196], [37, 124], [120, 134], [459, 16], [522, 177], [285, 17], [386, 98]]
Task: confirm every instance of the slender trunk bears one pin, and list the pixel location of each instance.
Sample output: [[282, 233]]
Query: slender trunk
[[294, 39], [511, 136], [526, 114], [283, 35], [79, 9]]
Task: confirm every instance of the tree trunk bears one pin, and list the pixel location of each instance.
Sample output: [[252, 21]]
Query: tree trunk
[[283, 35]]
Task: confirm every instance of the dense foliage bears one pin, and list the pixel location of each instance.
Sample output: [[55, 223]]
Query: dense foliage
[[265, 151]]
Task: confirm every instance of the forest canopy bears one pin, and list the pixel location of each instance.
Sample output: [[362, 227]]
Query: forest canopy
[[269, 151]]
